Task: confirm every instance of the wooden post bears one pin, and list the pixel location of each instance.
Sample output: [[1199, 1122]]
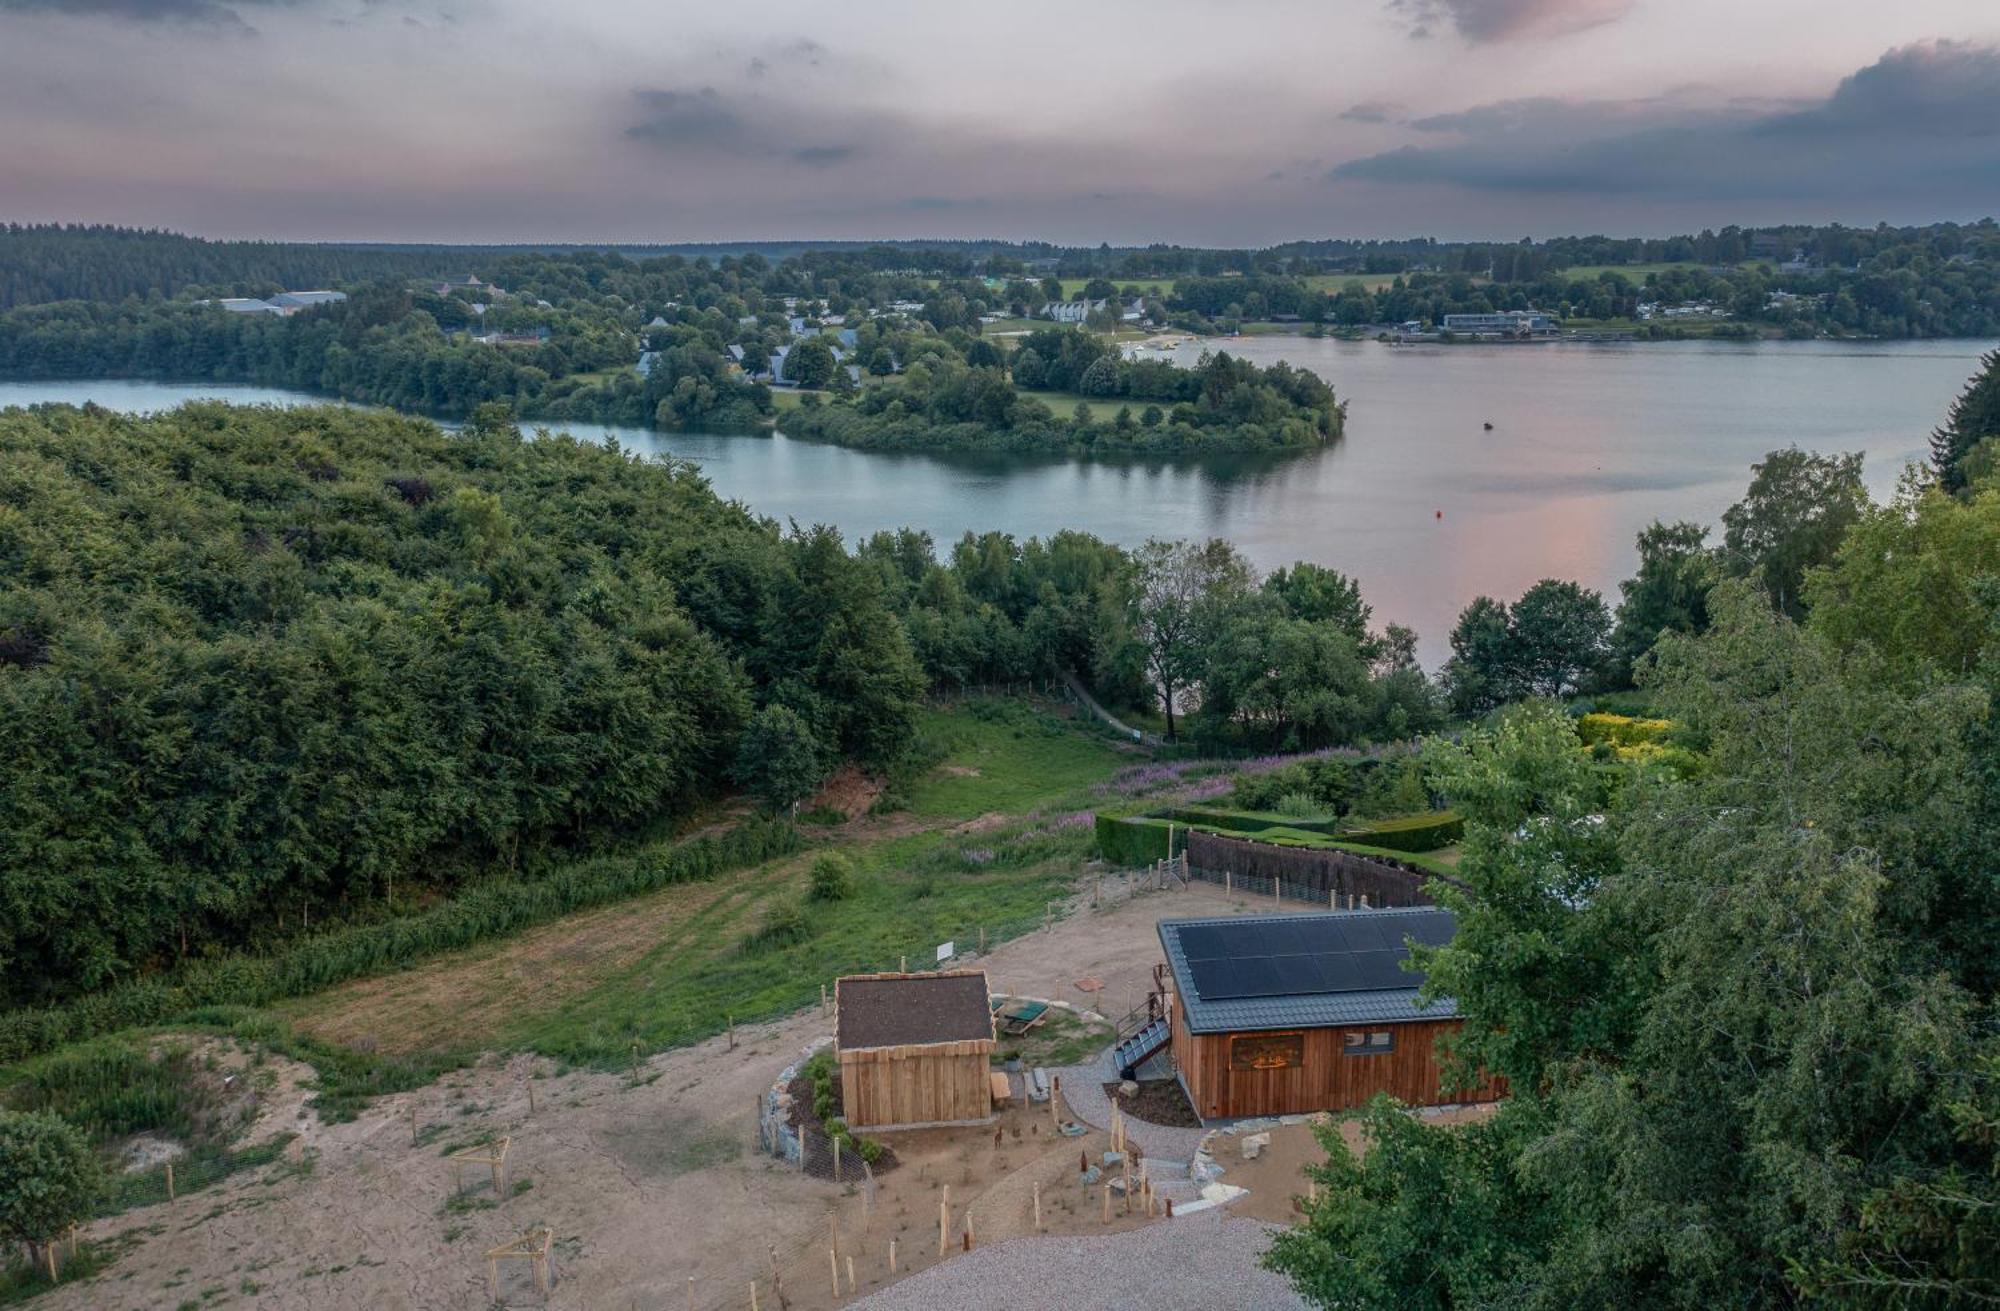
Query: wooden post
[[834, 1144], [982, 941], [753, 1295], [944, 1219], [1107, 1204], [850, 1276], [1228, 883], [729, 1021], [892, 1256], [170, 1181], [1038, 1206], [531, 1097], [902, 964], [1332, 899], [493, 1281], [833, 1266], [413, 1123], [635, 1060], [822, 999], [1170, 1208], [690, 1293], [1274, 889], [1055, 1100], [968, 1229], [1364, 901]]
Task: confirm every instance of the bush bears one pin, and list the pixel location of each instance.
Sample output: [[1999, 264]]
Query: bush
[[49, 1177], [785, 925], [832, 877]]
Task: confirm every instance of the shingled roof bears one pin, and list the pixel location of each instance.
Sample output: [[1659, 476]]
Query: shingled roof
[[1241, 973], [909, 1010]]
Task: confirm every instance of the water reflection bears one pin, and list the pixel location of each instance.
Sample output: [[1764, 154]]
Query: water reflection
[[1421, 502]]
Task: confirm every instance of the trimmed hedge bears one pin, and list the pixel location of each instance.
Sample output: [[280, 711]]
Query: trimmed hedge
[[1245, 821], [1132, 840], [488, 910], [1414, 833]]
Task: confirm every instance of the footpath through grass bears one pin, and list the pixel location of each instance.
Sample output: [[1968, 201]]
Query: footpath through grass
[[986, 841]]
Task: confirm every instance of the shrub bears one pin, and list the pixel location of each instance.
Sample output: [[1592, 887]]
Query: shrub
[[49, 1177], [832, 877], [784, 925]]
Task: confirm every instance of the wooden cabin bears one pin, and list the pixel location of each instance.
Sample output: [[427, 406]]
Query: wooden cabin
[[915, 1050], [1287, 1014]]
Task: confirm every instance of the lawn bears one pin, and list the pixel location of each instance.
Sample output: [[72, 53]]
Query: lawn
[[1102, 410], [1636, 273], [674, 967], [1337, 281], [1073, 287]]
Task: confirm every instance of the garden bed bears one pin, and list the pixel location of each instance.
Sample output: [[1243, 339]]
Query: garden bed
[[1158, 1101]]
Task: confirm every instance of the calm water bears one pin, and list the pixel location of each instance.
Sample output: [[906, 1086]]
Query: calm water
[[1589, 444]]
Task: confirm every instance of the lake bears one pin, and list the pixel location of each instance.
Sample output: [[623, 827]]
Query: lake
[[1428, 509]]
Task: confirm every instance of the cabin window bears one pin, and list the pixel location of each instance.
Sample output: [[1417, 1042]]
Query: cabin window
[[1368, 1044], [1267, 1051]]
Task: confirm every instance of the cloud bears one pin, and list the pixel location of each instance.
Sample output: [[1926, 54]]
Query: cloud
[[686, 118], [1508, 20], [1375, 111], [820, 156], [211, 13], [1919, 122]]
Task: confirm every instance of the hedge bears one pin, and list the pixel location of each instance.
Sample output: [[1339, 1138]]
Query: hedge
[[1133, 840], [1245, 821], [1416, 833], [489, 910]]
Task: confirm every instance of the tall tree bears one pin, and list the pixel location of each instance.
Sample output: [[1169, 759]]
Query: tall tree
[[1973, 418], [1183, 589], [1668, 594], [1799, 507]]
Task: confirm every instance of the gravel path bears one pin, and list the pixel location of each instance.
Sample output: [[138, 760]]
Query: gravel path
[[1200, 1262], [1083, 1093]]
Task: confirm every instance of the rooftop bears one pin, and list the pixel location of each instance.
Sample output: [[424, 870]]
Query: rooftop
[[1238, 973], [904, 1010]]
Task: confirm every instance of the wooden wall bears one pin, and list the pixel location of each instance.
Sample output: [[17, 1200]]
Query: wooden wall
[[937, 1083], [1327, 1079]]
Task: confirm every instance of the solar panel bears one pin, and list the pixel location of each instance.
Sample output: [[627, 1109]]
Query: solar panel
[[1307, 955]]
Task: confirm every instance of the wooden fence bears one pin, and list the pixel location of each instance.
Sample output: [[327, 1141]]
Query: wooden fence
[[1316, 875]]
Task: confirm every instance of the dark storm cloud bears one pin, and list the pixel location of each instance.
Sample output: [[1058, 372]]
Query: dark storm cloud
[[1507, 20], [1921, 120]]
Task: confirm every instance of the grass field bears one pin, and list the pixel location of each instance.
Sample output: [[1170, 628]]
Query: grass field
[[1336, 281], [1073, 287], [1636, 273], [674, 967], [1101, 409]]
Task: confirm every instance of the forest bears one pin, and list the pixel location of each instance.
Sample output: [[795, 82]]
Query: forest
[[269, 669]]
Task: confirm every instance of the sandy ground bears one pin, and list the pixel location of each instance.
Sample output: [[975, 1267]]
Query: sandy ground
[[644, 1186]]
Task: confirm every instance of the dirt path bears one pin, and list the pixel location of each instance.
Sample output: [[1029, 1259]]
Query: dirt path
[[644, 1186]]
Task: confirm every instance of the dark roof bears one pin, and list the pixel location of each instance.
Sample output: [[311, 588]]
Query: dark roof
[[1244, 972], [903, 1010]]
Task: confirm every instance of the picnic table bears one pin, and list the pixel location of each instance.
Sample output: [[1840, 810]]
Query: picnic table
[[1017, 1016]]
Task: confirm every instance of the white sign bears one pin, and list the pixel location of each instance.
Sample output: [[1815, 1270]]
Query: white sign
[[945, 951]]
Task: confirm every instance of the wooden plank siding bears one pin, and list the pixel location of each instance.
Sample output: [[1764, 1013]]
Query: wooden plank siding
[[1327, 1078], [923, 1084]]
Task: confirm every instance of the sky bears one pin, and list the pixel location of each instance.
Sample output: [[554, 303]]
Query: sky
[[1237, 123]]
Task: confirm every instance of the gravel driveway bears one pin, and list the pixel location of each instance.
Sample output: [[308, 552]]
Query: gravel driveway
[[1197, 1263]]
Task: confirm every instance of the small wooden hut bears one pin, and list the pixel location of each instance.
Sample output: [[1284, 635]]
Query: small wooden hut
[[915, 1050]]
